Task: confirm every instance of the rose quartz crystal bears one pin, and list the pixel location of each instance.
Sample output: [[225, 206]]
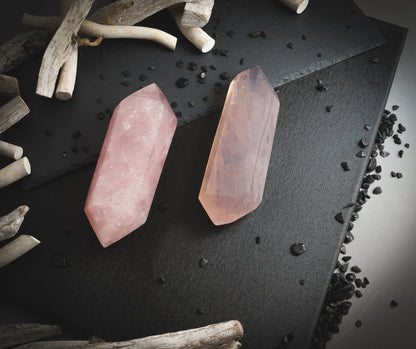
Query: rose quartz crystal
[[130, 164], [236, 172]]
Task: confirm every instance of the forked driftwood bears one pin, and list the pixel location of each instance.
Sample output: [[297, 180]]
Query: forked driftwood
[[60, 46], [9, 87], [224, 335], [22, 47], [17, 248], [14, 334], [10, 223], [296, 5], [12, 112], [129, 12], [15, 171], [10, 150]]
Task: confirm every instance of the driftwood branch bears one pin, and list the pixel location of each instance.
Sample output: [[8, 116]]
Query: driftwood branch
[[130, 12], [196, 36], [17, 248], [14, 334], [10, 224], [222, 335], [12, 112], [10, 150], [22, 47], [60, 46], [9, 87], [296, 5], [15, 171]]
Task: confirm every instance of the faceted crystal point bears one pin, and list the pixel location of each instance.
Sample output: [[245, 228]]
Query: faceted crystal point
[[236, 172], [130, 164]]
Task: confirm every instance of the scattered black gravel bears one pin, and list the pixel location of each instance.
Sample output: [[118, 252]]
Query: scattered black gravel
[[203, 262], [340, 218], [242, 61], [224, 76], [393, 303], [348, 238], [257, 239], [329, 108], [125, 83], [402, 128], [191, 103], [101, 116], [179, 64], [399, 175], [345, 166], [290, 45], [346, 258], [178, 114], [393, 174], [303, 37], [205, 99], [182, 82], [161, 280], [174, 104], [224, 53], [379, 169], [377, 191], [64, 154], [360, 154], [231, 33], [401, 153], [375, 60], [321, 87], [407, 145], [367, 127], [76, 135], [302, 282], [356, 269], [142, 77], [192, 66], [395, 107], [126, 73], [200, 311], [363, 143], [358, 323], [151, 68], [372, 164], [397, 139], [298, 249]]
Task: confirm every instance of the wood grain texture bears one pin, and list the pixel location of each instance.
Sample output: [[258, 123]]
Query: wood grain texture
[[12, 112], [9, 87], [13, 334], [118, 290]]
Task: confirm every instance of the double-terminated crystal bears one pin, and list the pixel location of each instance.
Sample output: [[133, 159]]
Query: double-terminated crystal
[[130, 164], [236, 172]]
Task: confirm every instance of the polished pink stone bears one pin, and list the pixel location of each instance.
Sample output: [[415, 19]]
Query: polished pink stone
[[130, 164], [236, 172]]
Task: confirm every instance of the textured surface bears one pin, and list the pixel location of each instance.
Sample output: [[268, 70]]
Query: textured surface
[[236, 172], [130, 164], [333, 34], [118, 291]]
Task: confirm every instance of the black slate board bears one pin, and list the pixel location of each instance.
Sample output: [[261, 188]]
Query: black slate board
[[116, 293], [335, 29]]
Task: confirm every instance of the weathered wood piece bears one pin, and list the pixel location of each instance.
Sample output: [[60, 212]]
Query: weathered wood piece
[[129, 12], [22, 47], [15, 249], [9, 86], [14, 334], [15, 171], [224, 335], [199, 38], [60, 46], [10, 223], [12, 112], [296, 5], [10, 150]]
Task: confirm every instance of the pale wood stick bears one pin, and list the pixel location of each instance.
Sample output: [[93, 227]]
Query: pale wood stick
[[14, 334], [22, 47], [231, 345], [9, 87], [106, 31], [10, 150], [130, 12], [10, 224], [68, 75], [222, 335], [60, 46], [17, 248], [196, 36], [15, 171], [12, 112], [296, 5], [55, 345]]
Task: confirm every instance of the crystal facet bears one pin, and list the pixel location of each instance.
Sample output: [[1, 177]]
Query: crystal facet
[[130, 164], [236, 172]]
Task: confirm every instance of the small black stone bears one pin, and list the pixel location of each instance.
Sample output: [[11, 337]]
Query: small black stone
[[340, 218], [377, 190], [358, 323], [395, 107], [179, 64], [191, 103], [257, 239], [47, 132], [224, 76], [379, 169], [64, 154], [200, 311], [375, 60], [174, 104], [101, 76], [343, 250], [393, 174], [101, 116], [290, 45], [348, 237], [358, 293], [303, 37], [343, 268], [356, 269], [182, 82], [384, 154], [358, 282], [372, 164], [350, 277], [224, 53], [407, 145], [76, 135], [319, 55], [366, 281], [205, 99], [298, 249], [367, 127], [399, 175], [107, 110], [126, 73], [192, 66], [365, 186], [402, 128], [85, 149], [346, 258], [344, 166], [401, 153], [329, 108], [263, 34], [218, 90], [231, 33], [363, 143], [394, 303], [161, 280], [142, 77], [151, 68], [242, 61], [301, 282], [397, 139], [360, 154], [178, 114], [376, 177], [254, 34], [125, 83], [75, 149], [203, 262]]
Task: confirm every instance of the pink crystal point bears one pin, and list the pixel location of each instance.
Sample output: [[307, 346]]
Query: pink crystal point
[[236, 172], [130, 164]]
